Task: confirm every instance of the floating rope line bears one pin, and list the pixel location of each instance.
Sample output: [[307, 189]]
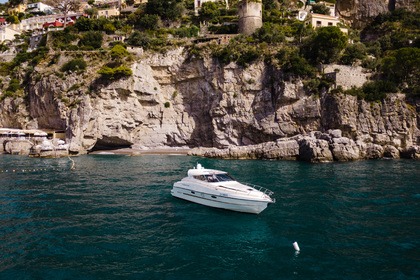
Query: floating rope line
[[29, 170], [73, 165]]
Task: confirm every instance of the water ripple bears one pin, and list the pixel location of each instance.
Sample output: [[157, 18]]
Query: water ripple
[[113, 217]]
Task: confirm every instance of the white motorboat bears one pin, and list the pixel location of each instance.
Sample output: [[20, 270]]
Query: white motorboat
[[218, 189]]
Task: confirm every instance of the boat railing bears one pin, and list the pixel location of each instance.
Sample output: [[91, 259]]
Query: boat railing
[[261, 189]]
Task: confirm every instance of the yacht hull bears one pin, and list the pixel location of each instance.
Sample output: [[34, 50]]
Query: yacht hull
[[220, 201]]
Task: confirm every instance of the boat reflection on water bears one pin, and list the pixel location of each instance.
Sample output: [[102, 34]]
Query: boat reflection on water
[[218, 189]]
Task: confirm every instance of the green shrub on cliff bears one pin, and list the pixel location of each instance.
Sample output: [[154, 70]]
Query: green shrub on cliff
[[241, 49], [403, 67], [13, 90], [84, 24], [167, 10], [321, 9], [209, 11], [296, 65], [373, 91], [115, 73], [186, 31], [14, 85], [149, 22], [63, 39], [74, 65], [394, 30], [378, 90], [352, 53], [270, 33], [147, 40], [91, 40], [119, 52]]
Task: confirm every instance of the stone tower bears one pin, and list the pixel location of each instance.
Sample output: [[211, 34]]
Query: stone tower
[[250, 16]]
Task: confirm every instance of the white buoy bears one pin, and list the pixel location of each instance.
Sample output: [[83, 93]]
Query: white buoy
[[296, 246]]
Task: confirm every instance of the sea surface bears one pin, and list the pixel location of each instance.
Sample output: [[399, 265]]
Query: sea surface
[[113, 217]]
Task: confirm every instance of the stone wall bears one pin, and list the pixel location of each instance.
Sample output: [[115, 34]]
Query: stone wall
[[348, 76]]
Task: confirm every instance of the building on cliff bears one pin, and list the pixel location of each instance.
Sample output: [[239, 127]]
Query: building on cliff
[[39, 7], [21, 8], [250, 16], [319, 20], [7, 33], [109, 12], [35, 23]]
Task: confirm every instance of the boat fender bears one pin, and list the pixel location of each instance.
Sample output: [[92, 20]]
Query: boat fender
[[296, 246]]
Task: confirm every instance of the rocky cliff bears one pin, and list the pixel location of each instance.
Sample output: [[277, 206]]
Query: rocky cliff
[[360, 12], [176, 100]]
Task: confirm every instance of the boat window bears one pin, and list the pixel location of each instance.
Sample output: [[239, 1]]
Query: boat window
[[219, 178], [224, 177], [200, 177], [211, 178]]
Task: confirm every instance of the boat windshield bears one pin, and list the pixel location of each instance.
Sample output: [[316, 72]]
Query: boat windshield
[[219, 178]]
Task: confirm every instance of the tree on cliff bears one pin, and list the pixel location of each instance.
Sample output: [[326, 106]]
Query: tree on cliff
[[67, 6], [325, 45], [403, 67], [91, 40], [167, 10], [209, 11], [14, 3], [321, 9]]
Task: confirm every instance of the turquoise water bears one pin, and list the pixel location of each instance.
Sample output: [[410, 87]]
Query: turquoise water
[[114, 218]]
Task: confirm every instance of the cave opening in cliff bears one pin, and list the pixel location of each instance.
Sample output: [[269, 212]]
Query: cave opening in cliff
[[110, 143], [391, 5]]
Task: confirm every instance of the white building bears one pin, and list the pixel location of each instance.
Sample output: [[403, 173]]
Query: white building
[[319, 20], [39, 8], [34, 23], [110, 12], [7, 33]]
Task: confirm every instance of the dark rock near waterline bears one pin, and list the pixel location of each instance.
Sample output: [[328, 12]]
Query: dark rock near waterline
[[316, 147]]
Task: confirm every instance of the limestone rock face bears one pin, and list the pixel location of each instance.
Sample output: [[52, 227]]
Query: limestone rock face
[[391, 152], [45, 105], [344, 149], [314, 150], [287, 149], [177, 100], [14, 113], [391, 122], [411, 152], [360, 12]]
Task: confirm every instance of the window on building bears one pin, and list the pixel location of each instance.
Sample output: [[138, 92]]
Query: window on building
[[330, 24], [318, 23]]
